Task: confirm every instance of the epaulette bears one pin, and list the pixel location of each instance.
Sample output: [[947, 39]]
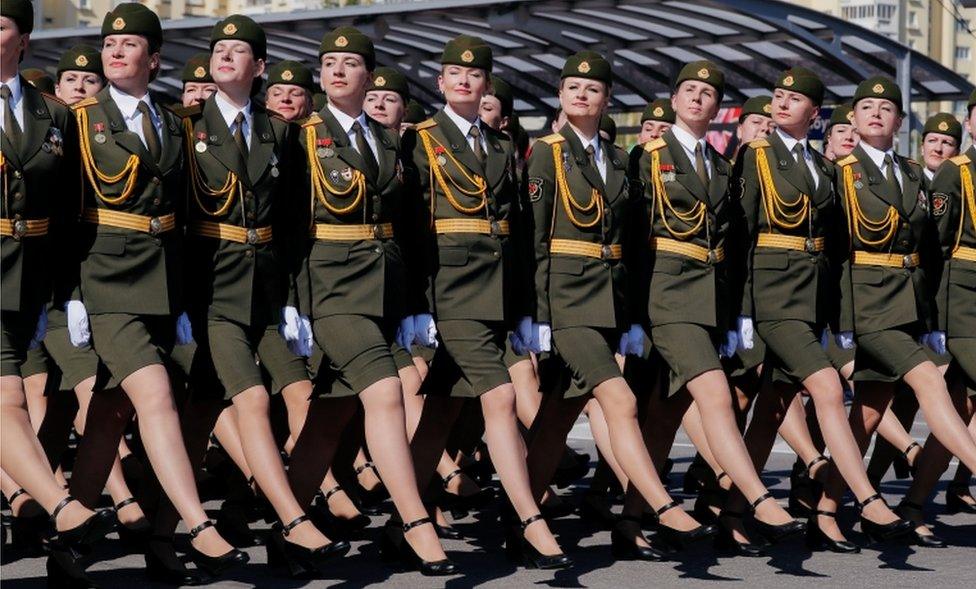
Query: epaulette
[[54, 98], [184, 112], [429, 123], [85, 103], [654, 145], [851, 159], [552, 139], [758, 143], [312, 120], [960, 160]]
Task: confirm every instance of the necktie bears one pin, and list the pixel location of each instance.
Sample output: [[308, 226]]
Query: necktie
[[12, 128], [149, 132], [805, 171], [890, 172], [239, 134], [475, 133], [700, 164], [362, 146]]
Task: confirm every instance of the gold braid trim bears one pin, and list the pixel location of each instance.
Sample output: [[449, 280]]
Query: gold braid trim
[[320, 182], [566, 195], [968, 201], [130, 171], [857, 219], [695, 216], [779, 212], [480, 186], [229, 190]]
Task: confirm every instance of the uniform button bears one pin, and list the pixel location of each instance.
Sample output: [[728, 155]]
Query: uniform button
[[606, 264], [375, 217], [378, 250], [903, 243], [496, 254], [18, 196], [249, 254], [157, 241], [248, 194], [251, 216], [155, 180], [157, 201], [18, 174]]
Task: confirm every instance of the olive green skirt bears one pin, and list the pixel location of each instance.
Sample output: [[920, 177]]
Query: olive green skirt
[[887, 355], [470, 360], [745, 361], [963, 350], [75, 363], [126, 343], [793, 350], [359, 350], [839, 357], [16, 330], [688, 350], [37, 361], [233, 348], [589, 354]]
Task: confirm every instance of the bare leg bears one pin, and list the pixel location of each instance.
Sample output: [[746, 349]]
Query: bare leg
[[692, 424], [947, 426], [601, 435], [229, 436], [528, 397]]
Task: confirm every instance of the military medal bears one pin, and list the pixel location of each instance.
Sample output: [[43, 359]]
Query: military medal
[[324, 147], [334, 176], [201, 144], [99, 132], [567, 165], [441, 160], [667, 173], [347, 174], [399, 170]]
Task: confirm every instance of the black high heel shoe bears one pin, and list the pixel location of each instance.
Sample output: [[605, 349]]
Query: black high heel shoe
[[133, 537], [882, 532], [680, 539], [333, 525], [622, 547], [215, 565], [92, 530], [904, 468], [459, 505], [595, 511], [817, 540], [800, 481], [725, 540], [298, 560], [955, 499], [774, 533], [711, 495], [65, 570], [522, 551], [29, 534], [163, 565], [394, 546], [914, 513], [232, 524], [698, 476], [370, 501]]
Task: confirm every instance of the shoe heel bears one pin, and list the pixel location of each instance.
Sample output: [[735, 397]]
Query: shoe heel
[[390, 547], [281, 564]]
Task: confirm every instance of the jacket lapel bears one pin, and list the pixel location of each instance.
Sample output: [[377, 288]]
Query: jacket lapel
[[458, 144], [718, 186], [911, 184], [343, 149], [876, 181], [684, 169], [791, 169], [121, 135], [589, 171], [496, 163], [824, 188], [37, 122], [172, 140], [9, 151], [262, 144], [387, 157], [616, 171], [222, 145]]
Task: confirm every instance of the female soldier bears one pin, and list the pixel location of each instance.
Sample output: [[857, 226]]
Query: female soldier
[[686, 183], [130, 263], [581, 292], [37, 163], [792, 219], [465, 172], [353, 269], [885, 303], [289, 92]]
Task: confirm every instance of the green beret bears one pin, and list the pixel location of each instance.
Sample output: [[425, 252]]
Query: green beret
[[608, 126], [21, 12], [879, 87], [590, 65], [501, 90], [349, 40], [972, 101], [415, 113], [943, 123], [197, 69], [467, 51], [802, 81], [702, 71], [842, 115], [132, 18], [658, 110], [39, 79], [392, 80], [291, 72], [757, 105], [319, 100], [238, 27], [81, 58]]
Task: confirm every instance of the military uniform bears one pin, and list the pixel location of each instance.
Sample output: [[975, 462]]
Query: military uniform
[[472, 244], [38, 170]]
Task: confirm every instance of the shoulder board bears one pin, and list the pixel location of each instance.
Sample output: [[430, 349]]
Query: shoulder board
[[960, 160], [654, 145], [184, 112], [428, 124], [275, 116], [312, 120], [85, 103], [552, 139], [758, 143], [54, 99], [851, 159]]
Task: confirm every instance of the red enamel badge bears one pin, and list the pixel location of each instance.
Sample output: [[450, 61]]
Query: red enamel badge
[[439, 149], [667, 167], [323, 142], [99, 127]]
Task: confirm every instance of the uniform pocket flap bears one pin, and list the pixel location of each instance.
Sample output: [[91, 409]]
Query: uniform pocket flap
[[962, 276], [561, 265], [452, 256], [667, 265], [330, 253], [113, 245], [869, 275], [771, 261]]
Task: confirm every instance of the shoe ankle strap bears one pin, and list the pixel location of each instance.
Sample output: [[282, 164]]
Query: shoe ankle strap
[[199, 529], [61, 505], [364, 466], [332, 491], [415, 523], [821, 459], [830, 514], [910, 447], [755, 503], [665, 508], [15, 494], [125, 503], [448, 478], [862, 504], [531, 520], [286, 529]]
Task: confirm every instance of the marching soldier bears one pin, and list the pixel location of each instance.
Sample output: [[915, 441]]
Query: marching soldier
[[38, 163], [128, 300], [840, 137], [792, 220], [657, 118], [289, 90], [198, 84], [755, 121], [887, 220], [387, 97]]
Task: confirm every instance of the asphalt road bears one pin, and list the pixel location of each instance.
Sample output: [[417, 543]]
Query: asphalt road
[[484, 565]]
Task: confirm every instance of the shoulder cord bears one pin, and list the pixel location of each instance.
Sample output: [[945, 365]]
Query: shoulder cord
[[566, 195], [857, 219], [779, 212], [968, 201], [130, 171], [198, 184], [321, 185], [437, 171], [694, 217]]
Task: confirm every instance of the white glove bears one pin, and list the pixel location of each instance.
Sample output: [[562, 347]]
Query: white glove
[[78, 329], [636, 340], [184, 331], [307, 334], [522, 336], [727, 349], [406, 333], [541, 340], [845, 340], [936, 341], [825, 338], [425, 331], [40, 331], [745, 332], [291, 331]]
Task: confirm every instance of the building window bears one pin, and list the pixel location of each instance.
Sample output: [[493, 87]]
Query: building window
[[912, 18], [963, 53]]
